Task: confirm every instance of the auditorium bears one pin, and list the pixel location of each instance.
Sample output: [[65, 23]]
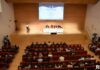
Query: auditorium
[[49, 35]]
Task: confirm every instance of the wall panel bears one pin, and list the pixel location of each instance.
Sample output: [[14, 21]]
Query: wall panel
[[28, 13]]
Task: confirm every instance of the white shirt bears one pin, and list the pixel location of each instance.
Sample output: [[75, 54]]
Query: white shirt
[[70, 66], [82, 58], [97, 66], [50, 55], [61, 58], [67, 50], [40, 60]]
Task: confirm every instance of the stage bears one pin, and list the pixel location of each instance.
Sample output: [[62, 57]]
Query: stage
[[39, 28], [68, 38], [69, 33]]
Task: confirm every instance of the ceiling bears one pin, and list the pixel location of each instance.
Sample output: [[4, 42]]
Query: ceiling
[[64, 1]]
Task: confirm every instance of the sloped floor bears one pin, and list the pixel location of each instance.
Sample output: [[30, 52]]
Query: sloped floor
[[23, 40]]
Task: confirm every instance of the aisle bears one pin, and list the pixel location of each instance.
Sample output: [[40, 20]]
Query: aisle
[[14, 65]]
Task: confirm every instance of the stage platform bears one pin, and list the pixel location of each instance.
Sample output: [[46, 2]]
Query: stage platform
[[17, 38]]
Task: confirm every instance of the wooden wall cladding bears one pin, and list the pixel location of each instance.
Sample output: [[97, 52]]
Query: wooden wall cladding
[[28, 13]]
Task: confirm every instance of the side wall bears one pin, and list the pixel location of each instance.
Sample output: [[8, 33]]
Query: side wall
[[7, 25], [93, 19]]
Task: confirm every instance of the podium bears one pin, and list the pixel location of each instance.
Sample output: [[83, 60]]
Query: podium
[[53, 33]]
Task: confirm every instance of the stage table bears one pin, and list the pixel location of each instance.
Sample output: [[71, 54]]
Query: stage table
[[53, 30]]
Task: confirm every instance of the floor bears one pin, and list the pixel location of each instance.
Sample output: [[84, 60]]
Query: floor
[[26, 39]]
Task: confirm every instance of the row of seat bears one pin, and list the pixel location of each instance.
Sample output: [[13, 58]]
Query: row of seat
[[35, 57], [95, 48], [7, 54]]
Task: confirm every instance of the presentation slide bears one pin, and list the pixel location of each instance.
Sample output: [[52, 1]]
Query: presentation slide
[[51, 11]]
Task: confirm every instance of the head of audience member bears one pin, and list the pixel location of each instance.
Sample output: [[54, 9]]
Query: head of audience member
[[35, 54], [58, 66], [92, 58], [49, 43], [61, 49], [76, 65], [82, 58], [32, 44], [64, 65], [70, 65], [26, 52], [67, 50], [52, 26], [47, 26], [40, 55], [36, 43], [58, 50], [34, 57]]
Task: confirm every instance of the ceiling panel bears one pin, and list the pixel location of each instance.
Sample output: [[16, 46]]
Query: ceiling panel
[[64, 1]]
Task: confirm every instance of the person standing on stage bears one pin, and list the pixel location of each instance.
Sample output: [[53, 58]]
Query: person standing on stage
[[27, 28]]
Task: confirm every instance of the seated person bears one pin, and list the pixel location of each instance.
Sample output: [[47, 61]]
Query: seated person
[[58, 50], [69, 65], [61, 49], [94, 38], [98, 66], [76, 65], [82, 58], [6, 41], [50, 65], [97, 49], [81, 64], [67, 50], [58, 66], [40, 59], [92, 58], [28, 66], [61, 58], [64, 65], [47, 26], [50, 55], [35, 66], [59, 26], [52, 26], [40, 55], [35, 54], [34, 58], [49, 43]]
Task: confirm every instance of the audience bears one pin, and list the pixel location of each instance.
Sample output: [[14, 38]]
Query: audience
[[56, 56], [94, 46], [7, 53]]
